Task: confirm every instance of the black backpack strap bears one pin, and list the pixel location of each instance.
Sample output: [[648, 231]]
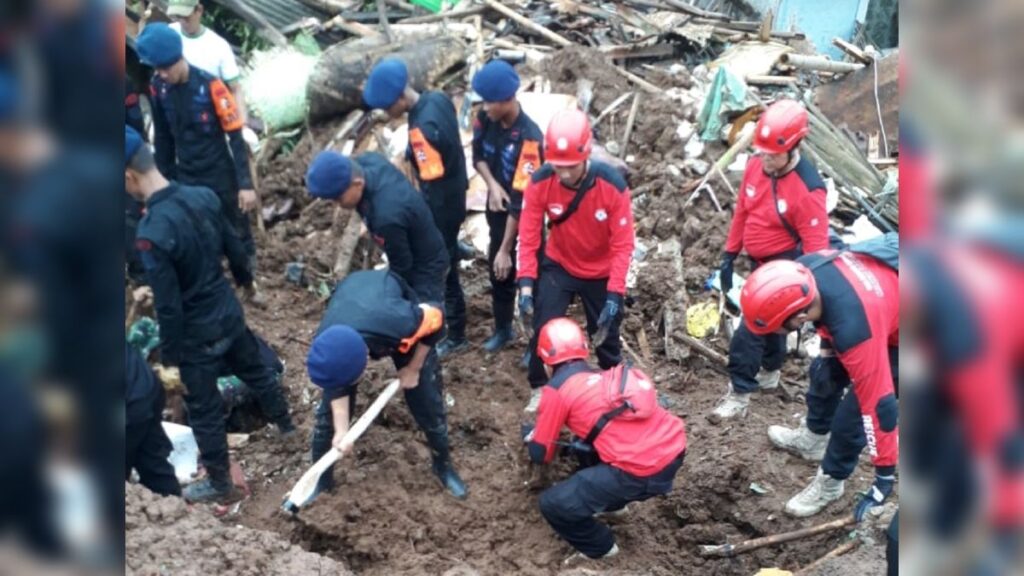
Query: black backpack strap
[[614, 413], [588, 183], [789, 227]]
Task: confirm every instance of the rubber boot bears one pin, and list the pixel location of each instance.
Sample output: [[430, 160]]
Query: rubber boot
[[799, 441], [768, 380], [821, 492], [452, 346], [501, 337], [442, 465], [214, 488]]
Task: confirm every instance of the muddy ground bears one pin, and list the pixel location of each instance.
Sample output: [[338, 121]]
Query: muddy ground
[[389, 515]]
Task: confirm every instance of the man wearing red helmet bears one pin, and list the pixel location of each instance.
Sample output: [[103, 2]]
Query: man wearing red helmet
[[589, 245], [780, 214], [853, 300], [639, 445]]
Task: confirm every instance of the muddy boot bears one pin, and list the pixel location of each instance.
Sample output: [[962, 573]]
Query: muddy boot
[[732, 405], [534, 403], [524, 362], [452, 346], [501, 337], [221, 491], [768, 380], [799, 441], [821, 492], [442, 465], [580, 558]]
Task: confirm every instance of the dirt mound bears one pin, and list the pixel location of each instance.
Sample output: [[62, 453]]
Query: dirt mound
[[164, 536]]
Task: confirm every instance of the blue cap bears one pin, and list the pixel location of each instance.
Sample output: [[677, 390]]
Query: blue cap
[[337, 357], [158, 45], [329, 175], [386, 83], [497, 81], [132, 143]]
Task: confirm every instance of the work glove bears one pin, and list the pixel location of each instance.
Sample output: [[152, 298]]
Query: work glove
[[170, 377], [879, 491], [525, 301], [725, 271], [612, 307]]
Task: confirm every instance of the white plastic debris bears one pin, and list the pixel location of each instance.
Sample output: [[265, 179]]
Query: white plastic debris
[[685, 131], [694, 147], [185, 453]]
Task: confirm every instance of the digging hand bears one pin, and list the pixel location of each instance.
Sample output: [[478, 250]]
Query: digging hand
[[726, 271], [610, 312], [879, 491]]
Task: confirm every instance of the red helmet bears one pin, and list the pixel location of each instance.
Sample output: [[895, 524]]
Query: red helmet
[[774, 293], [568, 140], [561, 340], [781, 127]]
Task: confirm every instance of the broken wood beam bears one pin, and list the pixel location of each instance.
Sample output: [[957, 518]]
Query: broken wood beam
[[819, 63], [385, 26], [629, 125], [682, 6], [629, 52], [347, 245], [854, 52], [453, 15], [402, 5], [730, 550], [703, 349], [612, 107], [341, 23], [834, 553], [332, 7], [765, 80], [527, 23]]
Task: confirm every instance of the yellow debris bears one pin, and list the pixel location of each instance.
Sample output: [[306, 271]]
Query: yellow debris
[[701, 319]]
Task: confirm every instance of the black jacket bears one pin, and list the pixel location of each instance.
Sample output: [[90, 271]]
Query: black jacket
[[180, 240], [435, 118], [401, 224], [503, 151]]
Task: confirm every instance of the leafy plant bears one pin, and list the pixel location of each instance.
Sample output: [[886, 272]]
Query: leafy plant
[[245, 36]]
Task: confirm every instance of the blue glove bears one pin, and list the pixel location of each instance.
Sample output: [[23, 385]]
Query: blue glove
[[612, 307], [881, 490], [525, 301], [525, 430], [725, 271]]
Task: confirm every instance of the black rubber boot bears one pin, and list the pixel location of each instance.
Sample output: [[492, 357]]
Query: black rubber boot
[[501, 337], [210, 489], [442, 464], [452, 346]]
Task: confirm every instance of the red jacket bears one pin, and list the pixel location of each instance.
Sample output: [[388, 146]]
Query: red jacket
[[639, 447], [595, 242], [861, 317], [756, 224]]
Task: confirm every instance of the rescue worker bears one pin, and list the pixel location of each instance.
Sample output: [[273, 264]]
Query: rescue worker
[[853, 301], [439, 164], [192, 113], [638, 457], [779, 215], [202, 325], [507, 149], [204, 48], [589, 244], [377, 314], [146, 444], [133, 117], [395, 214]]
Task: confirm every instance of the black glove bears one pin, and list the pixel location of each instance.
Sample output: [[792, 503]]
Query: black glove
[[611, 310], [525, 301], [879, 491], [725, 271]]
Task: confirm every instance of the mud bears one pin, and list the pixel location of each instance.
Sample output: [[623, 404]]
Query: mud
[[389, 516]]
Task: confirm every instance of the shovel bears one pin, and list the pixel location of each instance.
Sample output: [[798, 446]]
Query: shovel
[[302, 493]]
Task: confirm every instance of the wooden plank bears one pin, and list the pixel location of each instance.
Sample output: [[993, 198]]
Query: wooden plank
[[630, 52]]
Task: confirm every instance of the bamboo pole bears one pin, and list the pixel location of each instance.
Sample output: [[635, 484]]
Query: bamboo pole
[[819, 63], [629, 125]]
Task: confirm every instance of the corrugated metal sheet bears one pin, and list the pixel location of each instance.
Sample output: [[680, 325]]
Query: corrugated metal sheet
[[280, 13]]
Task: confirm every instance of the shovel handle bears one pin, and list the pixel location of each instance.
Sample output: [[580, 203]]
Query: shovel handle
[[306, 485]]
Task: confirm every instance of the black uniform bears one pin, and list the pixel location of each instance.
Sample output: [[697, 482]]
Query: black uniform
[[190, 122], [181, 239], [384, 310], [146, 445], [512, 155], [401, 224], [435, 151]]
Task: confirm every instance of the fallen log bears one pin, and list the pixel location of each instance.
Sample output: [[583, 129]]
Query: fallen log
[[336, 84], [730, 550]]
